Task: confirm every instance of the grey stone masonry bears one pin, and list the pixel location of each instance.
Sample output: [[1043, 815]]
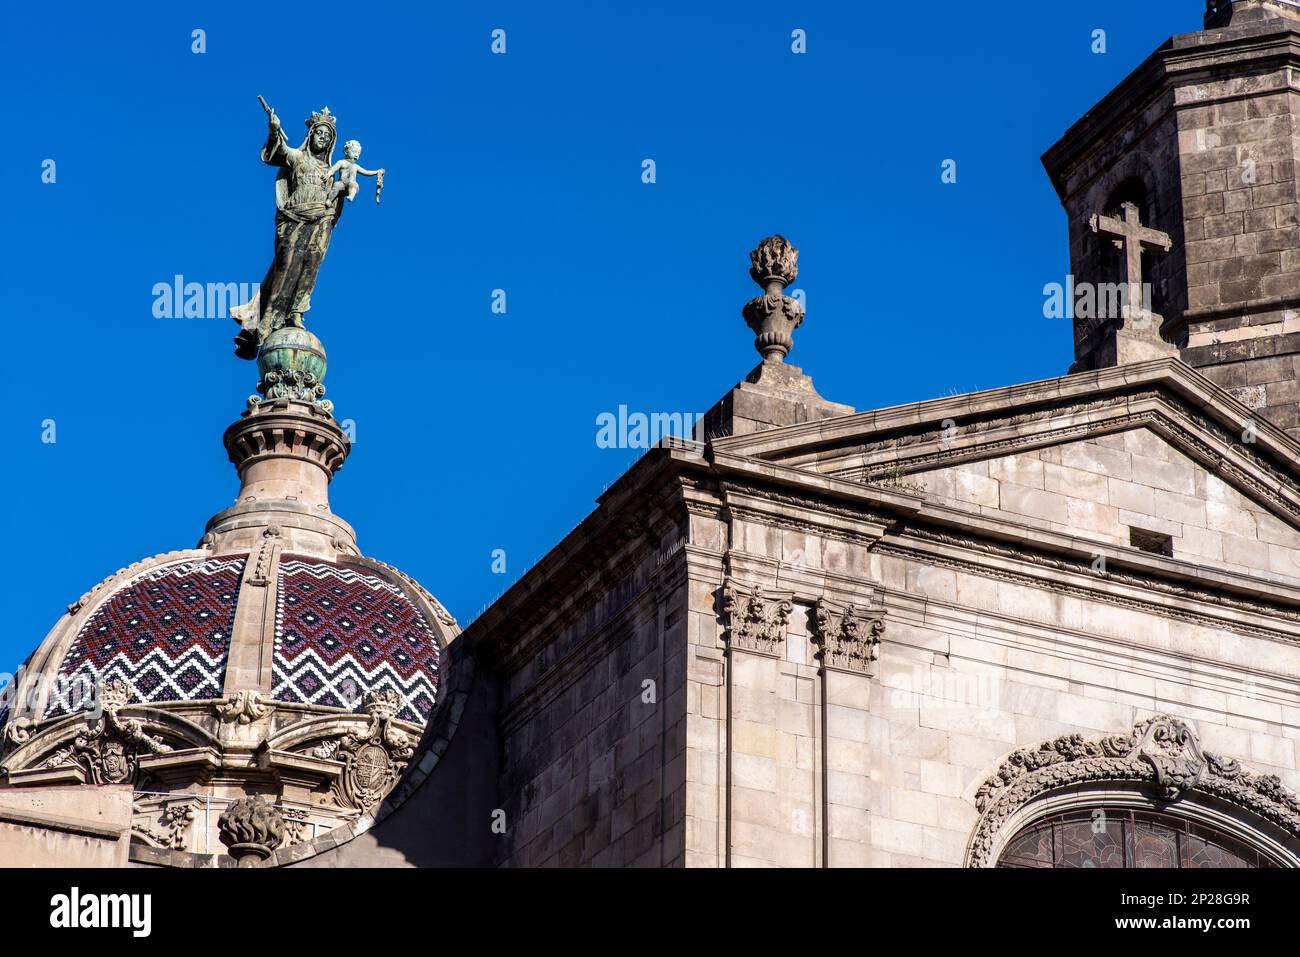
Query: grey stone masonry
[[1202, 137], [772, 395]]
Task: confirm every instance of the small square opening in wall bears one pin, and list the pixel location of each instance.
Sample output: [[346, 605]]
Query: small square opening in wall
[[1157, 543]]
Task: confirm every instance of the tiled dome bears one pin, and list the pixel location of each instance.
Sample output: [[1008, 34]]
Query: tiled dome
[[340, 632], [340, 629], [166, 633]]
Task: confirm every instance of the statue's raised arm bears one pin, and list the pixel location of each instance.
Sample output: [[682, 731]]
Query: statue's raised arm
[[277, 149]]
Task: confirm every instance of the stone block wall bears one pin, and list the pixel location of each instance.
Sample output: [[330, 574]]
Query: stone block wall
[[1208, 125], [1237, 151], [791, 765], [1102, 488], [68, 826], [1238, 146], [974, 667], [593, 735]]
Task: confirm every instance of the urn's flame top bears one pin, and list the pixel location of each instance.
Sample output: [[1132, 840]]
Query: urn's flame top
[[775, 260]]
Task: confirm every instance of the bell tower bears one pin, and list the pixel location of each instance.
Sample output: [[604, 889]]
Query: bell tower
[[1197, 146]]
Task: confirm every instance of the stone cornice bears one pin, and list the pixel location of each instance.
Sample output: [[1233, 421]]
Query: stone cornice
[[1202, 441], [807, 513], [287, 429], [1132, 579], [1180, 405], [828, 493], [50, 822], [807, 444]]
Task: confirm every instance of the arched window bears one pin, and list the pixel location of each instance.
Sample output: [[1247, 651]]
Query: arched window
[[1102, 837], [1147, 798]]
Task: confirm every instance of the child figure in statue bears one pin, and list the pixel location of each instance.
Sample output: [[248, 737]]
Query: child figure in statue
[[347, 168]]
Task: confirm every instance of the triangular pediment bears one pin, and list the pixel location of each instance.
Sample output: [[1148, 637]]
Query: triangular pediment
[[1150, 455]]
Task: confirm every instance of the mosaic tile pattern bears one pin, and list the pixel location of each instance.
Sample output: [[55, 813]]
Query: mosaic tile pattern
[[341, 631], [166, 633]]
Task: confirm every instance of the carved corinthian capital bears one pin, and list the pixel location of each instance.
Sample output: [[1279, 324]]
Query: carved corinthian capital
[[847, 637], [757, 619]]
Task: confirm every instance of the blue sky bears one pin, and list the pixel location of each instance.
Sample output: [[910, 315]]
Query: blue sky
[[522, 172]]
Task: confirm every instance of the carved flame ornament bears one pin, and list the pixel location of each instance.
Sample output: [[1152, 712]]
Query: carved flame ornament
[[757, 619], [1161, 753], [252, 829]]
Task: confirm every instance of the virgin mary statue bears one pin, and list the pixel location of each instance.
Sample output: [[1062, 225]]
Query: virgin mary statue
[[305, 214]]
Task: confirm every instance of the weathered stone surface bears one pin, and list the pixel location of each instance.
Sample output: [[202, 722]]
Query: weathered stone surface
[[1199, 141]]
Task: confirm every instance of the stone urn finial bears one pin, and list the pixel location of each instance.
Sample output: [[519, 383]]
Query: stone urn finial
[[773, 316], [251, 828]]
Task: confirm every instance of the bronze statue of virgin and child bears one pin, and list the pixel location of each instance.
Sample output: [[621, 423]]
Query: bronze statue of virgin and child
[[308, 204]]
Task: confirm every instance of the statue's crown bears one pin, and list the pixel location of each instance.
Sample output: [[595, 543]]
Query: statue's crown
[[324, 116]]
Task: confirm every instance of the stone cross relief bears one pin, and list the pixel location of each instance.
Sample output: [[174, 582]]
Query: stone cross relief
[[1131, 238]]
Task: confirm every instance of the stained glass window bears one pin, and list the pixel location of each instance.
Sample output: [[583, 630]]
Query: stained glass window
[[1120, 838]]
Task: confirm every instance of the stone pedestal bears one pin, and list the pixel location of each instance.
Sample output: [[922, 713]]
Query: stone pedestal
[[772, 395], [1134, 339]]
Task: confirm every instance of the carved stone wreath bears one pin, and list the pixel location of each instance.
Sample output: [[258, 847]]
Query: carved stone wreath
[[1162, 752]]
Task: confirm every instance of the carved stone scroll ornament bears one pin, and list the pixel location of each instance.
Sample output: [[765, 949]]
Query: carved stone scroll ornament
[[17, 732], [847, 637], [757, 619], [259, 572], [172, 827], [108, 749], [244, 707], [374, 760], [296, 827], [1161, 753], [252, 829]]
